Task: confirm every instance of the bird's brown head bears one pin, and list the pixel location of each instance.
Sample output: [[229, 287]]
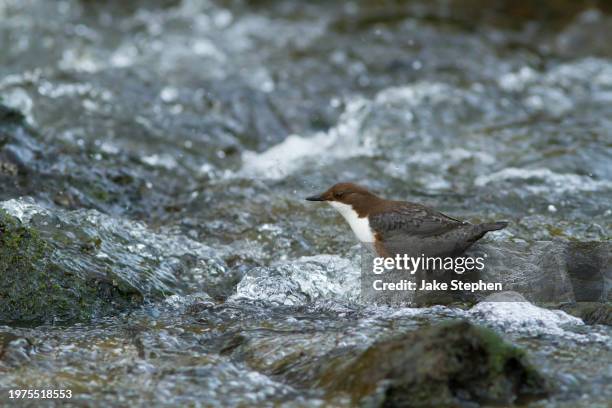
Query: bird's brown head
[[347, 193]]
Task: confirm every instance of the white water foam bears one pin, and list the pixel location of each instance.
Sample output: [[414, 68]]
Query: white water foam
[[23, 209], [301, 281], [291, 154], [510, 312]]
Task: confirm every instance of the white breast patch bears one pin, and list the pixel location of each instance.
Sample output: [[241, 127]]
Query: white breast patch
[[360, 226]]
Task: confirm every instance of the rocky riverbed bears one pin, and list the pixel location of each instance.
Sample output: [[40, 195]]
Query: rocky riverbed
[[155, 247]]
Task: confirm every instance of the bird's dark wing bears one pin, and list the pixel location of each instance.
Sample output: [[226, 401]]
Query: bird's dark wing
[[412, 220]]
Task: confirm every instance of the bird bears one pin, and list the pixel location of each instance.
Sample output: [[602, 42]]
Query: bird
[[402, 227]]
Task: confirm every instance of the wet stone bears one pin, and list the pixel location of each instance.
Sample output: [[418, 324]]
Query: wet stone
[[452, 364], [75, 265], [591, 312], [35, 289], [15, 350]]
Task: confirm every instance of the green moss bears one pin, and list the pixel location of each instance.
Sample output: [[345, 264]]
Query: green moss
[[437, 366], [100, 194], [91, 245], [498, 351], [10, 116], [590, 312], [555, 231], [34, 289]]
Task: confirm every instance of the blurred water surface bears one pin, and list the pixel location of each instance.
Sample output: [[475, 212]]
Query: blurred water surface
[[185, 135]]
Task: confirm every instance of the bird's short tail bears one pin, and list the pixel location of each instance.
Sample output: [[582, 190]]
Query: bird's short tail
[[493, 226]]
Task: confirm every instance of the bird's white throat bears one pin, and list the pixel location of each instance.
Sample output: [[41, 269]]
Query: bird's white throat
[[359, 225]]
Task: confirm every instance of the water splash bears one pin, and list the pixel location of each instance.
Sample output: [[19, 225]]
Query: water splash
[[302, 281]]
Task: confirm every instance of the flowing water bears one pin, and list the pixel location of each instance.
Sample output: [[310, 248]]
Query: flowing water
[[165, 148]]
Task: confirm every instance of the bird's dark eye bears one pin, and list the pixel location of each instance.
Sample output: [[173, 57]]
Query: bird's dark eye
[[338, 194]]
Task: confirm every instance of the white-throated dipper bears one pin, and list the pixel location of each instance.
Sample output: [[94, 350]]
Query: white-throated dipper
[[401, 227]]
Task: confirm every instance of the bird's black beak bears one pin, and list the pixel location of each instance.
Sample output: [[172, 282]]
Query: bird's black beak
[[316, 198]]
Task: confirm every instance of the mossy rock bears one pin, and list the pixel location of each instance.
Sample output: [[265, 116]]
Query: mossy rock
[[590, 312], [33, 289], [9, 115], [448, 365]]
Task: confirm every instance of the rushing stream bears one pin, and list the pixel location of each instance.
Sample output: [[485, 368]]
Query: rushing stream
[[155, 155]]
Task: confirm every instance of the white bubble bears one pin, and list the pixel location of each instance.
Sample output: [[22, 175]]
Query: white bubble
[[169, 94]]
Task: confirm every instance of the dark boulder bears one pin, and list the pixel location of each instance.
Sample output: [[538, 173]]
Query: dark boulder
[[590, 312], [452, 364]]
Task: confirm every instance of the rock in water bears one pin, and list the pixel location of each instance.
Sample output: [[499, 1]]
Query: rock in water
[[590, 312], [74, 265], [589, 266], [449, 365], [33, 289]]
